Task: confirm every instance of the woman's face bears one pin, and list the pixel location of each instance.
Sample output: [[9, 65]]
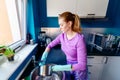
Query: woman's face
[[64, 26]]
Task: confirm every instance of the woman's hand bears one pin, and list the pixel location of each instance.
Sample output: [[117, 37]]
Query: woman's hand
[[43, 58]]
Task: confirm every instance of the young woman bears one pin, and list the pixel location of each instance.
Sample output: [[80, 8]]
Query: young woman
[[73, 45]]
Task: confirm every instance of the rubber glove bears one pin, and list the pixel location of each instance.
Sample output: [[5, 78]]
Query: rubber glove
[[62, 68], [43, 58]]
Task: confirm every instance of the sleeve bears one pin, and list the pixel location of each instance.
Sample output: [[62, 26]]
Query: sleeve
[[54, 42], [81, 55]]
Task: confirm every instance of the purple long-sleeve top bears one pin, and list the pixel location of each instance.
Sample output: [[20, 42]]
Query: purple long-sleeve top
[[74, 49]]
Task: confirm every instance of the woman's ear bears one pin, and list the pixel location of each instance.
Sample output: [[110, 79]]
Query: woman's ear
[[70, 23]]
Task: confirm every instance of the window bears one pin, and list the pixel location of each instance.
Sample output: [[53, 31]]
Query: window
[[98, 40], [13, 23]]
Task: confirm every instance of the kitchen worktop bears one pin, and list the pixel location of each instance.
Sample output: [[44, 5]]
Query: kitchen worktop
[[95, 52], [13, 70]]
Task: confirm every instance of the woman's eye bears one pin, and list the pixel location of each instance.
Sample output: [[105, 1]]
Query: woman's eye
[[61, 25]]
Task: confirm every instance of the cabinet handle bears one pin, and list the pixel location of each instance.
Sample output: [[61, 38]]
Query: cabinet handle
[[90, 15], [90, 57], [89, 72], [105, 60], [89, 65]]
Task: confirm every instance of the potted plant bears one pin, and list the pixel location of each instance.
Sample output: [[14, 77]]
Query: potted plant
[[8, 52]]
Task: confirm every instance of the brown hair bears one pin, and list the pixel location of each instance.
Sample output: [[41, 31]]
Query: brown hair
[[68, 16]]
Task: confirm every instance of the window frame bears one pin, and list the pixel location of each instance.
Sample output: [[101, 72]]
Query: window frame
[[22, 23]]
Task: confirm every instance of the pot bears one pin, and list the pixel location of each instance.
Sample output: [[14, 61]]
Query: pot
[[45, 70], [45, 73]]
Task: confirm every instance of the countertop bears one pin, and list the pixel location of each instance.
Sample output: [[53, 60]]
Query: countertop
[[11, 70]]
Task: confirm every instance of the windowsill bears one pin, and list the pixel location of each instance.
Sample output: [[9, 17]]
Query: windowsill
[[8, 69]]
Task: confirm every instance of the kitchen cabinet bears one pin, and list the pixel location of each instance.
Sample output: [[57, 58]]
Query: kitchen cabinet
[[95, 67], [60, 6], [112, 68], [84, 8], [92, 8]]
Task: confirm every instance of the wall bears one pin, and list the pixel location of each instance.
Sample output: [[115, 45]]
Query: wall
[[30, 20], [109, 22], [40, 18], [114, 11]]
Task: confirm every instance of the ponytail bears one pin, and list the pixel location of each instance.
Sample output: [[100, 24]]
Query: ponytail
[[77, 26]]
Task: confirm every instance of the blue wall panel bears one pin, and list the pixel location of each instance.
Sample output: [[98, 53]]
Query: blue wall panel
[[111, 20], [30, 20], [37, 18]]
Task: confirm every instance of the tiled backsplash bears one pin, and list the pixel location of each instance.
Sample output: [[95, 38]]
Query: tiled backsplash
[[93, 48], [51, 32]]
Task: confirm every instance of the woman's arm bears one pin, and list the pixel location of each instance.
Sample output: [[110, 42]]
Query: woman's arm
[[44, 56], [47, 50], [55, 42]]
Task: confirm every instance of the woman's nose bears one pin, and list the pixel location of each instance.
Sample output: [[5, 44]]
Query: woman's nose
[[60, 27]]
